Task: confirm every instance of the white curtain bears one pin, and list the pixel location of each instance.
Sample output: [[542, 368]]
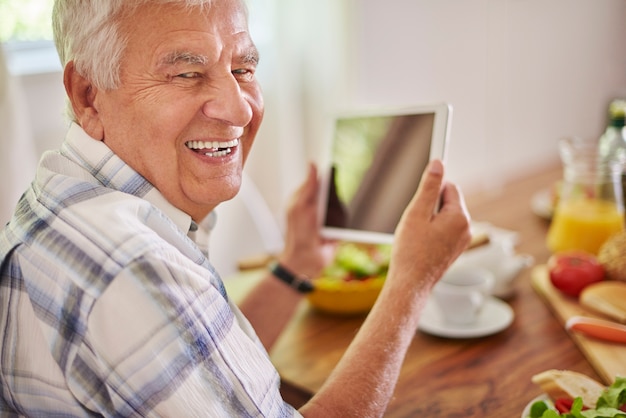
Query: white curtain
[[18, 156]]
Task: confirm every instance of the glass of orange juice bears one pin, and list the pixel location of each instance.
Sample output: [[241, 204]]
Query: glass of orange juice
[[590, 209]]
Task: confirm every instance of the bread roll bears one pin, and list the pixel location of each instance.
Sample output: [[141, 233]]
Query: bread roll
[[570, 385], [607, 298], [612, 256]]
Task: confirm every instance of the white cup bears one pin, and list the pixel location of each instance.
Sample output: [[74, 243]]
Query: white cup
[[462, 292], [498, 257]]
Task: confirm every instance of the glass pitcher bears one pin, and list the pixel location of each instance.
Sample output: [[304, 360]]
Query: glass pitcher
[[590, 207]]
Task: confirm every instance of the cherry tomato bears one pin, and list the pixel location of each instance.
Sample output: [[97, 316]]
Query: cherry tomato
[[572, 271], [563, 405]]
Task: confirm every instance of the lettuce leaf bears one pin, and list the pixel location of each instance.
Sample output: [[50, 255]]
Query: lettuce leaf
[[614, 396]]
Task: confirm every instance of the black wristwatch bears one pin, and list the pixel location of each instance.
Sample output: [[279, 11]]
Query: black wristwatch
[[301, 284]]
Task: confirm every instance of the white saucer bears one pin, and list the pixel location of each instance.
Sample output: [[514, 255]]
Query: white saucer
[[495, 316]]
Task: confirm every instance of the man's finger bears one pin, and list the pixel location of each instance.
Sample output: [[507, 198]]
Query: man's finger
[[427, 197]]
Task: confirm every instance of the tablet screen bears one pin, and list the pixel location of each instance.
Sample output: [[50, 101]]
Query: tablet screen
[[376, 161]]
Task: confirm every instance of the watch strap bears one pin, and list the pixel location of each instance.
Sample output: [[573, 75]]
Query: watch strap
[[301, 284]]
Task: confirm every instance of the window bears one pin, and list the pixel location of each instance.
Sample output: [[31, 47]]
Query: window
[[25, 20], [26, 36]]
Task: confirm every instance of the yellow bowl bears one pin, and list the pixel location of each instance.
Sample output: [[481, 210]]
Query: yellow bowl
[[345, 297]]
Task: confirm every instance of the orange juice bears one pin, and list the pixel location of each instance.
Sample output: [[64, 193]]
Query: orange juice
[[584, 224]]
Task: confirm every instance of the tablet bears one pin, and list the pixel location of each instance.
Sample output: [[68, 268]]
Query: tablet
[[376, 161]]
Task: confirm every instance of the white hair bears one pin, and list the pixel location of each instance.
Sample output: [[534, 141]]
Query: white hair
[[87, 33]]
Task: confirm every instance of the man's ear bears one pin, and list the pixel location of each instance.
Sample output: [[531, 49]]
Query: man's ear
[[82, 94]]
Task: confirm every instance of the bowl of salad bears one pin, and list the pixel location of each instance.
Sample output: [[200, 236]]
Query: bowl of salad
[[352, 282], [610, 404]]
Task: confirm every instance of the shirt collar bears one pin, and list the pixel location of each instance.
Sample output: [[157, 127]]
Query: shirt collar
[[180, 218], [118, 175]]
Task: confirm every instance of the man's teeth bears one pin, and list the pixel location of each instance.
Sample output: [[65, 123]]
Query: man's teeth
[[214, 148], [218, 153], [212, 144]]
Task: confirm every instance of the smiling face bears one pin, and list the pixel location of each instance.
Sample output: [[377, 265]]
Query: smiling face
[[188, 106]]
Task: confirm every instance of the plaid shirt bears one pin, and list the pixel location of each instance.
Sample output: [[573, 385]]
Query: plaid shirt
[[107, 307]]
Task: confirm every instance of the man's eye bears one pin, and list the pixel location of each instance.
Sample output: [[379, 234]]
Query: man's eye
[[243, 73], [188, 75]]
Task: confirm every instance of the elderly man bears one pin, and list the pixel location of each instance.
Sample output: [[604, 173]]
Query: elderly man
[[108, 307]]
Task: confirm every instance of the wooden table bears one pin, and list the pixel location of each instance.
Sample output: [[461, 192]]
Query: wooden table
[[482, 377]]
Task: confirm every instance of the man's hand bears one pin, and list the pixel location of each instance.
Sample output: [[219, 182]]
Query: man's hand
[[427, 242], [306, 253]]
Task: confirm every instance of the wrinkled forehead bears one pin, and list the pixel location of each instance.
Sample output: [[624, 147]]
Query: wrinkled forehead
[[237, 9], [161, 38], [226, 16]]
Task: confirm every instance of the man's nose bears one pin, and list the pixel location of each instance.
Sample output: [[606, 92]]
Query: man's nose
[[227, 102]]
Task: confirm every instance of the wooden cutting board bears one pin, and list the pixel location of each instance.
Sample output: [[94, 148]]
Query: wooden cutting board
[[608, 359]]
